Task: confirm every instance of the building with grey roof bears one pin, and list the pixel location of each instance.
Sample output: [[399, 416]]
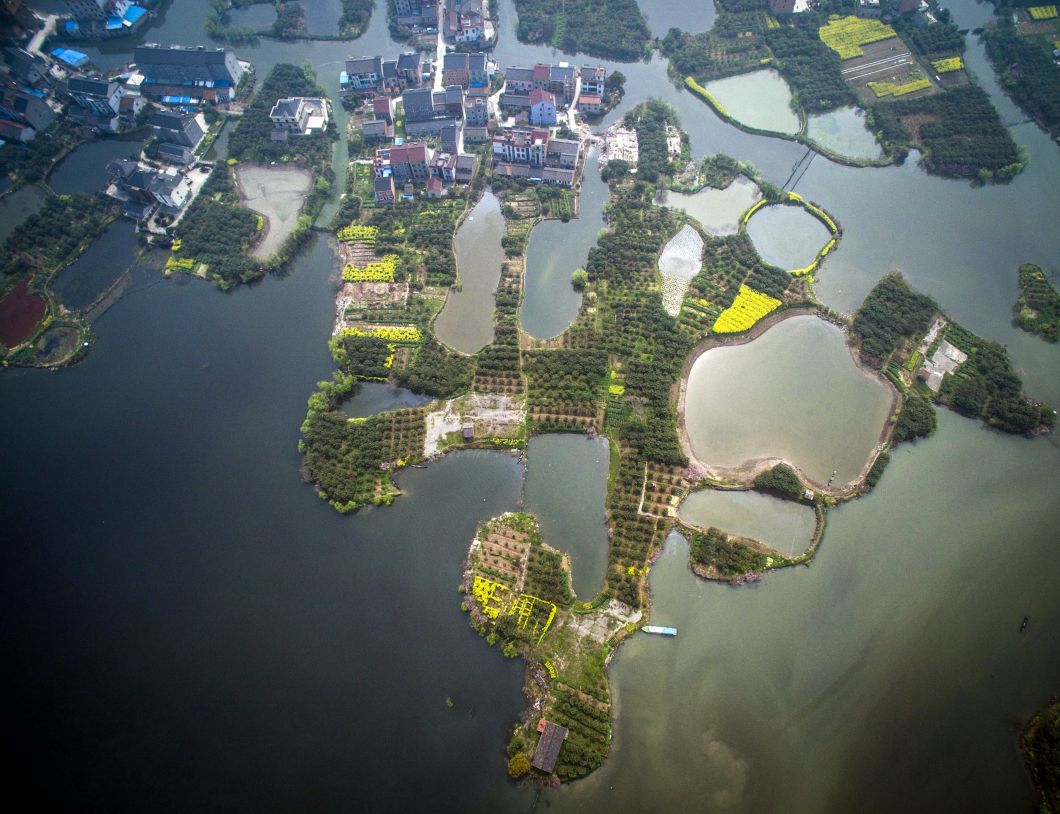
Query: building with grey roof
[[206, 74]]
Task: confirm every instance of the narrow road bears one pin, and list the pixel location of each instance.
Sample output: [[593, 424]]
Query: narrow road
[[439, 53], [46, 31]]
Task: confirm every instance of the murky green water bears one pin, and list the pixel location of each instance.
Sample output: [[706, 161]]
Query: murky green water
[[378, 397], [781, 524], [787, 236], [870, 681], [760, 99], [718, 210], [85, 169], [465, 323], [794, 393]]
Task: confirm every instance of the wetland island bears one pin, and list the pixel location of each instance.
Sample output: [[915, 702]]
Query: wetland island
[[734, 301]]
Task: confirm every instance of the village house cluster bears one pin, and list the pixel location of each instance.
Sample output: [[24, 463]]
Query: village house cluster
[[545, 91], [449, 117]]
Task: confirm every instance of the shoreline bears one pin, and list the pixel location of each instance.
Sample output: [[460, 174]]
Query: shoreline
[[745, 472]]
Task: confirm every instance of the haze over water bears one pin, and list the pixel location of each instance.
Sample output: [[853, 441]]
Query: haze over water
[[188, 626]]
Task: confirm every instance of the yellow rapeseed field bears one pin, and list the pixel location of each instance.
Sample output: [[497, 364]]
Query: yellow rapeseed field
[[947, 65], [846, 35], [748, 307]]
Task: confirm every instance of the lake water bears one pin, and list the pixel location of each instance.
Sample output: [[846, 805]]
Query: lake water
[[787, 236], [780, 697], [844, 132], [80, 283], [793, 393], [718, 210], [572, 520], [465, 323], [781, 524], [555, 250], [191, 628], [760, 99], [85, 169]]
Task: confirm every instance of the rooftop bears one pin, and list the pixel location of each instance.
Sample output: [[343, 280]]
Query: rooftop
[[548, 747]]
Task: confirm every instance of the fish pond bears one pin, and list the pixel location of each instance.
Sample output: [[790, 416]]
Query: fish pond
[[781, 524], [466, 321], [718, 210], [277, 193], [793, 393], [787, 236], [554, 252], [844, 132], [760, 99]]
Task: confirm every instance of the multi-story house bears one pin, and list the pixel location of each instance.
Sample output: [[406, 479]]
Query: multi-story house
[[476, 111], [524, 152], [26, 113], [188, 75], [416, 14], [97, 103], [560, 80], [404, 163], [362, 75], [298, 116], [542, 108], [466, 70], [183, 129]]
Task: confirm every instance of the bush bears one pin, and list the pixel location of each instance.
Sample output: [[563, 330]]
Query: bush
[[781, 480], [518, 765]]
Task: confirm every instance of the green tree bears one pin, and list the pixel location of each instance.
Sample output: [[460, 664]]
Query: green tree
[[518, 765]]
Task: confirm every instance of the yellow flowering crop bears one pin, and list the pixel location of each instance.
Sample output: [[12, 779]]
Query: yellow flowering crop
[[748, 307], [354, 232], [947, 65], [882, 89], [846, 35], [379, 272], [398, 334], [1042, 12], [707, 96]]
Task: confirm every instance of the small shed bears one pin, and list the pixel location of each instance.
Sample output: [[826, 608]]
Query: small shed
[[468, 430], [548, 747]]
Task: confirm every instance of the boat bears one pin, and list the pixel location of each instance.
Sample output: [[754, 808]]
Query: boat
[[663, 631], [1026, 621]]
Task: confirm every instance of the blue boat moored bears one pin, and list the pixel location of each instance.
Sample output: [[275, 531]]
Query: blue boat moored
[[664, 631]]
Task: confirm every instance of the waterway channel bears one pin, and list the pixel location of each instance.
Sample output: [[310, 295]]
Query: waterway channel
[[193, 627]]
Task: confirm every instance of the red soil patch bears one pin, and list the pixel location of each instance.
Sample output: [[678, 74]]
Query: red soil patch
[[20, 312]]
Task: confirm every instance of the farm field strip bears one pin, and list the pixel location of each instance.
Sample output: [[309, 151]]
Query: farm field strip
[[879, 66]]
